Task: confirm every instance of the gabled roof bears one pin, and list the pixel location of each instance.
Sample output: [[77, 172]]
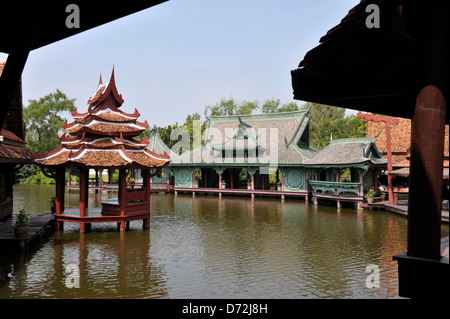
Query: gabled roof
[[156, 144], [348, 152], [285, 134]]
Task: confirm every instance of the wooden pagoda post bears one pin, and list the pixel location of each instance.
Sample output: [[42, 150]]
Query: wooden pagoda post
[[101, 179], [84, 191], [122, 196], [59, 192], [110, 176], [69, 176], [147, 186]]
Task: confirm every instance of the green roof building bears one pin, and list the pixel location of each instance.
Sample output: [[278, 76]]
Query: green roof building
[[268, 154]]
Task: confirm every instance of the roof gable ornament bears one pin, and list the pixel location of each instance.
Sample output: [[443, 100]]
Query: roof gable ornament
[[104, 91], [290, 143]]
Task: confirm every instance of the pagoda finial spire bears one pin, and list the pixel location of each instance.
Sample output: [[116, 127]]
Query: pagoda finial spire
[[112, 80], [100, 82]]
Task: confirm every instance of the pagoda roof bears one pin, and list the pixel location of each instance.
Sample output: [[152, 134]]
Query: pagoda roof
[[95, 126], [102, 157], [106, 114], [103, 137], [105, 91], [103, 142]]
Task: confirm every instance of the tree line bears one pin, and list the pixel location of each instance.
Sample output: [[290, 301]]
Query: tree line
[[44, 119]]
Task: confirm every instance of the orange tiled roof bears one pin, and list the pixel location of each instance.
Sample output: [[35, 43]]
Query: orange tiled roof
[[400, 141], [12, 149], [103, 137]]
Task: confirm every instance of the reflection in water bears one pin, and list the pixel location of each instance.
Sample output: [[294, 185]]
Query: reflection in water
[[211, 247]]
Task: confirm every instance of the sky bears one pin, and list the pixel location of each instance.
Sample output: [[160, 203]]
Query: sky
[[173, 59]]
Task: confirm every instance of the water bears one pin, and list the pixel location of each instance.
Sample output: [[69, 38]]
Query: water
[[207, 247]]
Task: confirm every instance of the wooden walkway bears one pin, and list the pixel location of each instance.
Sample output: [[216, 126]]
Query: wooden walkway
[[400, 208], [37, 226], [239, 191]]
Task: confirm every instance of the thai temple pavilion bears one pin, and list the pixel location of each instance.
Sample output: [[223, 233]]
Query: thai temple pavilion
[[360, 156], [238, 152], [104, 138]]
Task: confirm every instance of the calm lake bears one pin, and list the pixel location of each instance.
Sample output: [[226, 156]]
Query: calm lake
[[209, 247]]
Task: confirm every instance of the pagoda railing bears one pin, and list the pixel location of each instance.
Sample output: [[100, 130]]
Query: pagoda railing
[[336, 188]]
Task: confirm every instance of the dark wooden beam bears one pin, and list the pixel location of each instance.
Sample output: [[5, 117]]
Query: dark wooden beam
[[12, 71]]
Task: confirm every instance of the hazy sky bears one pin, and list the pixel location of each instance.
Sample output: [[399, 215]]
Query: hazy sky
[[173, 59]]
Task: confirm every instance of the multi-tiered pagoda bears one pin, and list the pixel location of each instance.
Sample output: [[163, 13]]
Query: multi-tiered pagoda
[[105, 137]]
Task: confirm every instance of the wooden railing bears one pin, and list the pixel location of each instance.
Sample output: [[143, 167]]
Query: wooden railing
[[336, 188]]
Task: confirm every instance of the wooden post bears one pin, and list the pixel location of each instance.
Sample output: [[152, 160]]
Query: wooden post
[[262, 181], [168, 182], [375, 176], [389, 155], [361, 181], [69, 176], [220, 181], [122, 195], [59, 192], [252, 177], [307, 185], [427, 135], [110, 176], [232, 179], [146, 184], [101, 179], [84, 188]]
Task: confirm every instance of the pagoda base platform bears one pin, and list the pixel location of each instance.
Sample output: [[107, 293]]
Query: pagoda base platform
[[94, 215]]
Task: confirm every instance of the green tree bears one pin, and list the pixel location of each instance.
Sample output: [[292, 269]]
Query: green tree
[[44, 121], [231, 107], [329, 122], [274, 106]]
